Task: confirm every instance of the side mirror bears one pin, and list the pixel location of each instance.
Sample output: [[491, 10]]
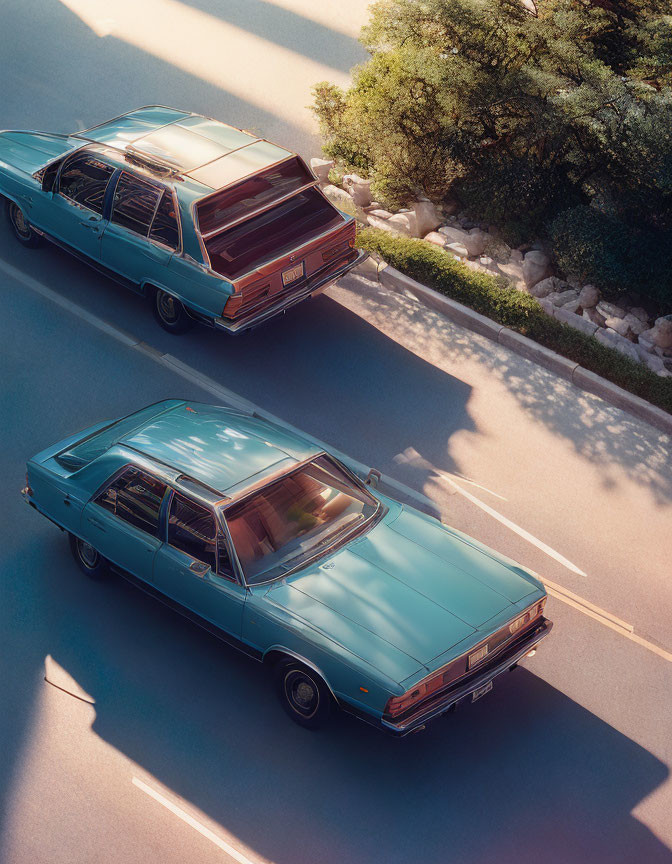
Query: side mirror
[[373, 478], [198, 568]]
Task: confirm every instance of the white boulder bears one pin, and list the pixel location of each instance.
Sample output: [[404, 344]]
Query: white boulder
[[381, 214], [550, 285], [358, 188], [427, 217], [568, 316], [436, 238], [561, 298], [405, 223], [536, 266], [337, 195], [473, 241], [321, 168], [620, 343], [589, 296], [610, 310], [662, 333], [458, 249]]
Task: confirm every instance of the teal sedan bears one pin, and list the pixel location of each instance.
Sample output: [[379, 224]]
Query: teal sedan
[[280, 549], [209, 222]]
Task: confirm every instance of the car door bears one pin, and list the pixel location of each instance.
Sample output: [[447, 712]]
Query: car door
[[123, 521], [74, 213], [141, 235], [193, 567]]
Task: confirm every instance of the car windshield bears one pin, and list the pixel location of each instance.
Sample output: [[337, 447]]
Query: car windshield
[[297, 517]]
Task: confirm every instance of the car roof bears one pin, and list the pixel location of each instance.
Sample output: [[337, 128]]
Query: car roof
[[190, 146], [222, 448]]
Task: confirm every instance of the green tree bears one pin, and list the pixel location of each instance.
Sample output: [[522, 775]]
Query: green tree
[[522, 114]]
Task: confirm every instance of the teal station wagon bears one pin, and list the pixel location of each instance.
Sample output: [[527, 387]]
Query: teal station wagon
[[211, 223], [262, 537]]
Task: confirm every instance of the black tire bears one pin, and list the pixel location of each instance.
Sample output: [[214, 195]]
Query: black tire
[[88, 559], [170, 313], [303, 694], [21, 227]]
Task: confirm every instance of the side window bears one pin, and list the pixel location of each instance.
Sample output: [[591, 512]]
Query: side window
[[134, 203], [136, 498], [84, 181], [192, 529], [164, 227]]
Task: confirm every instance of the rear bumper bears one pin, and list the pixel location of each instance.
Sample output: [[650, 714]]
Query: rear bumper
[[509, 657], [310, 290]]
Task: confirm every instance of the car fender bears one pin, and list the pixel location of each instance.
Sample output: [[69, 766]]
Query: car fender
[[281, 649]]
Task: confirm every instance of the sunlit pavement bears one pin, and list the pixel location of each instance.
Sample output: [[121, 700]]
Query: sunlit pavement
[[566, 760]]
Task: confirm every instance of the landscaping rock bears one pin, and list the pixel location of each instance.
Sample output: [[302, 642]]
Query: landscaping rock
[[473, 241], [559, 298], [572, 306], [427, 217], [645, 339], [574, 320], [640, 313], [662, 332], [381, 214], [594, 316], [619, 325], [550, 285], [321, 168], [636, 324], [620, 343], [610, 310], [358, 188], [383, 224], [653, 361], [516, 256], [589, 296], [436, 238], [405, 223], [457, 249], [546, 305], [337, 195], [536, 266]]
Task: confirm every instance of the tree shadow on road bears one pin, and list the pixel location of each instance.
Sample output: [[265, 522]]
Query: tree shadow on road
[[598, 431]]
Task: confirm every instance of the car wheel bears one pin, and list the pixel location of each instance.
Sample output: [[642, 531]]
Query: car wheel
[[90, 561], [23, 230], [170, 313], [303, 694]]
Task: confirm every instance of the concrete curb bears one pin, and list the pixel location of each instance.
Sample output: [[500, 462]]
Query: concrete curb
[[580, 377]]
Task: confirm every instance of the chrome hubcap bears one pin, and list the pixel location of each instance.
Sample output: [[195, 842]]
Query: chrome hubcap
[[19, 221], [87, 554], [167, 307], [301, 693]]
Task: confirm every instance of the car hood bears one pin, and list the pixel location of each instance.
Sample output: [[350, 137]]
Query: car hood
[[29, 151], [405, 593]]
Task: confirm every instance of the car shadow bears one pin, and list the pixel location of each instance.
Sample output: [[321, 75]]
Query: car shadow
[[526, 773]]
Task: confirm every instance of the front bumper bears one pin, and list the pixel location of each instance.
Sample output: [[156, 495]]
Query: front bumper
[[310, 290], [509, 656]]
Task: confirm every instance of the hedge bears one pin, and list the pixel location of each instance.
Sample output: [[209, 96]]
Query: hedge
[[497, 299]]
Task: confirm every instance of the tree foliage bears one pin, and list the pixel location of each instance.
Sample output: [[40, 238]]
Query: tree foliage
[[520, 114]]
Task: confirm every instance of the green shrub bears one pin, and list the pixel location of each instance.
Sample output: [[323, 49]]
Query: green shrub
[[493, 297], [594, 247]]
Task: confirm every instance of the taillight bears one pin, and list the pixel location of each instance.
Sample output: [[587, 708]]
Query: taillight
[[398, 704]]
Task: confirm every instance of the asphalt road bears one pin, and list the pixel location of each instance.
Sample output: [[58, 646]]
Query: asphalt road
[[184, 754]]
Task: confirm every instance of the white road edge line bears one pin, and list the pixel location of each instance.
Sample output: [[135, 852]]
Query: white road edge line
[[194, 823], [195, 377], [512, 525]]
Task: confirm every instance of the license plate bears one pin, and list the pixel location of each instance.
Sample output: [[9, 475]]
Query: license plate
[[292, 274], [477, 656], [486, 688]]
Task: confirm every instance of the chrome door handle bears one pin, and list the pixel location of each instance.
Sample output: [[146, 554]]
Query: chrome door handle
[[92, 226]]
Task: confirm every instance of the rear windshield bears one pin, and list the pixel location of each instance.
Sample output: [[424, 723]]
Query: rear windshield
[[271, 234], [248, 195], [93, 446]]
